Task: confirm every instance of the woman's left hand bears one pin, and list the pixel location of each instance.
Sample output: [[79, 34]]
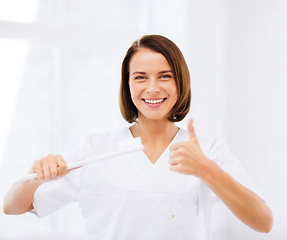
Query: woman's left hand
[[187, 157]]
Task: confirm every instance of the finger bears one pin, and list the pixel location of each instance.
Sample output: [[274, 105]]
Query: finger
[[62, 165], [192, 135], [53, 167], [37, 168], [176, 168], [46, 167], [175, 146], [174, 153], [174, 160]]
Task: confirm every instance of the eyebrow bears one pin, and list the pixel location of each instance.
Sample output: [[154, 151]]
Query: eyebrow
[[166, 71], [138, 73], [161, 72]]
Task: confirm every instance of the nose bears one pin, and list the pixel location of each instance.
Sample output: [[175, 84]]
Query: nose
[[153, 86]]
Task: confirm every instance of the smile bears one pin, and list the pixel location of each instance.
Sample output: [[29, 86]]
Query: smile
[[154, 101]]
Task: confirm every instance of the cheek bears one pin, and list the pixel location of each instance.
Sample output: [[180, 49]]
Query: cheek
[[135, 90], [173, 90], [132, 90]]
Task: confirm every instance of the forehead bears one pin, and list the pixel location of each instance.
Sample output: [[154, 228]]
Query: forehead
[[147, 60]]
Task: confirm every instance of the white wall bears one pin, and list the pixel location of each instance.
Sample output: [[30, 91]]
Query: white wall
[[257, 102], [236, 51]]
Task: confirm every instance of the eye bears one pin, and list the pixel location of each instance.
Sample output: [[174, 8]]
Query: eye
[[166, 76], [139, 77]]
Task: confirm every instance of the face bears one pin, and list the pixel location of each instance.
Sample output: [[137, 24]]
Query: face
[[152, 84]]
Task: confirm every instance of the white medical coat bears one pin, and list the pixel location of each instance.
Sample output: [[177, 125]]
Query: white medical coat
[[129, 198]]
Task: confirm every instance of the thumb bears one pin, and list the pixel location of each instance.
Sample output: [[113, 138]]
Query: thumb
[[192, 135]]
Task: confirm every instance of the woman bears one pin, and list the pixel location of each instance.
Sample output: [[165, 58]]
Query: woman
[[165, 192]]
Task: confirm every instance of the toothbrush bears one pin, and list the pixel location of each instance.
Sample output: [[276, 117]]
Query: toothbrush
[[124, 148]]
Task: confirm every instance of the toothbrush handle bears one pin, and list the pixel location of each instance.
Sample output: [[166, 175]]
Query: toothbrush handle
[[29, 176], [72, 165], [89, 160]]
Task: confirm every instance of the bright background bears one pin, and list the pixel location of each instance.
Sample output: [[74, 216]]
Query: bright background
[[59, 78]]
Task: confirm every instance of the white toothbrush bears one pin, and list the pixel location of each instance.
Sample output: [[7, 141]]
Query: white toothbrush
[[125, 147]]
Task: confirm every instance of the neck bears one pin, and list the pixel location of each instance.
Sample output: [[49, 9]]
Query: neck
[[154, 132]]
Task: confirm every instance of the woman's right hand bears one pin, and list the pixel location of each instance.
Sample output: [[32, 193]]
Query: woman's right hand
[[19, 198], [50, 167]]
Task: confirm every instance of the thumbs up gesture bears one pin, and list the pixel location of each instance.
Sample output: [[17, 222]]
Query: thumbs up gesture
[[187, 157]]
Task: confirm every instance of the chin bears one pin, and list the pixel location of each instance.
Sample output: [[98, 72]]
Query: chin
[[156, 117]]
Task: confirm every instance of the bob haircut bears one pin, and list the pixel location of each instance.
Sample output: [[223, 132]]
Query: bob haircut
[[179, 69]]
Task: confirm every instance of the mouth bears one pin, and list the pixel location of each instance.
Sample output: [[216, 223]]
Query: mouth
[[154, 101]]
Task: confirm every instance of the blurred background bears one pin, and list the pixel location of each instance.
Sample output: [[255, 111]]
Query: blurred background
[[60, 66]]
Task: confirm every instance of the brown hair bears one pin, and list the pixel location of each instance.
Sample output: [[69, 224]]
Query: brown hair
[[178, 66]]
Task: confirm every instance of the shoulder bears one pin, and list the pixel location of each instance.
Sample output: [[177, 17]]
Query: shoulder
[[110, 136], [103, 142]]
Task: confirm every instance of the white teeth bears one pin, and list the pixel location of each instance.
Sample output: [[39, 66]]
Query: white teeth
[[154, 101]]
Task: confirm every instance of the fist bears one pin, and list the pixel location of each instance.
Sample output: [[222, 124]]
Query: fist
[[50, 167], [187, 157]]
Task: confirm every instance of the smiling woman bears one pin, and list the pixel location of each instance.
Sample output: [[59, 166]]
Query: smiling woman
[[151, 63], [153, 93], [168, 190]]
